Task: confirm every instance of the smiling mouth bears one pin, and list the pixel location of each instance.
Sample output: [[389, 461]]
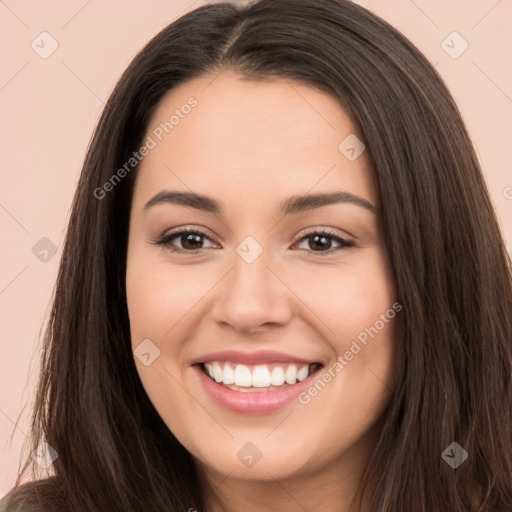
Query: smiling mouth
[[258, 377]]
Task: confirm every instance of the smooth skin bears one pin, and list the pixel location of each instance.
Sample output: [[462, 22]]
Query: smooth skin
[[249, 146]]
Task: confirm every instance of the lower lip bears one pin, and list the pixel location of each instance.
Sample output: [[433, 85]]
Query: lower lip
[[255, 402]]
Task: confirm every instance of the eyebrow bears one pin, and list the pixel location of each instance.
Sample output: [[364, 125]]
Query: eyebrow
[[294, 204]]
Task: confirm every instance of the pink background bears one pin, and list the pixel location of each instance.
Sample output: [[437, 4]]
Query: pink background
[[49, 108]]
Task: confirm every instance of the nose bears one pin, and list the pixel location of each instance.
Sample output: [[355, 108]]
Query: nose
[[252, 296]]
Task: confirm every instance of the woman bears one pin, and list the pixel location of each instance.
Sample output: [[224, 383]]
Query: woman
[[283, 286]]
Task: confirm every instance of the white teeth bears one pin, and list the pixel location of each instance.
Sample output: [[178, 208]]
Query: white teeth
[[217, 372], [277, 377], [291, 374], [303, 372], [229, 375], [261, 377], [243, 376]]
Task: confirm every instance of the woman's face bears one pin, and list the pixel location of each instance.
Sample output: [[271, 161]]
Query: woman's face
[[295, 326]]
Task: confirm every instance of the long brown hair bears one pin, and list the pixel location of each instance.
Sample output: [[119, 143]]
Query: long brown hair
[[450, 266]]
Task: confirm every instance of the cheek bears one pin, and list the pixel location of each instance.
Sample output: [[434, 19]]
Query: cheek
[[164, 303], [348, 298], [159, 296], [355, 303], [158, 300]]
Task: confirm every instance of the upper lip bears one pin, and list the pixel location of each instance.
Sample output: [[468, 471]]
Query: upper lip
[[265, 356]]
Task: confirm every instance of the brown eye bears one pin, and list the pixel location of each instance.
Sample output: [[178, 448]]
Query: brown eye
[[321, 242], [188, 241]]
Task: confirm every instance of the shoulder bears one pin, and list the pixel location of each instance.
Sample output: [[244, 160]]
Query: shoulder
[[37, 496]]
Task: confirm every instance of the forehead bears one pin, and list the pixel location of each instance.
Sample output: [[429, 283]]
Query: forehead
[[251, 140]]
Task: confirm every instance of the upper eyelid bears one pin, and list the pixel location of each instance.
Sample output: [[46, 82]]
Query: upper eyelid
[[303, 232]]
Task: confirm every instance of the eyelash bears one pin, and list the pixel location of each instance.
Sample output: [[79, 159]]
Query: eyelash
[[166, 239]]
